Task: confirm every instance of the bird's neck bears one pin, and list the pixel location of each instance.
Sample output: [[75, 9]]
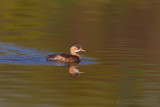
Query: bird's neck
[[75, 54]]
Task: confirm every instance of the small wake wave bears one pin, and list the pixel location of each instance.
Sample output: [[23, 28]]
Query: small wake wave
[[12, 54]]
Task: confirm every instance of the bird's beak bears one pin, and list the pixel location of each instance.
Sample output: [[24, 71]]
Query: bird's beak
[[83, 50]]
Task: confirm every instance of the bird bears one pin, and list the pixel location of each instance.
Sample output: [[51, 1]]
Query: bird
[[72, 57]]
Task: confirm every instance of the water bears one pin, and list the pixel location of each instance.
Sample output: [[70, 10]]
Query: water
[[120, 68], [12, 54]]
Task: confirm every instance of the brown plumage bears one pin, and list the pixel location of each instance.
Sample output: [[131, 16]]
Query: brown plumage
[[71, 57]]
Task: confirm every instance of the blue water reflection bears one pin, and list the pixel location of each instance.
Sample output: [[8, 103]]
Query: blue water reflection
[[12, 54]]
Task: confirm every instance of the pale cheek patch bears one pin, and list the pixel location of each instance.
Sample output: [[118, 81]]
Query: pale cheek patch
[[76, 51], [76, 70]]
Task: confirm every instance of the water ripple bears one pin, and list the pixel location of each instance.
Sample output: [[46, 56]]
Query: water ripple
[[12, 54]]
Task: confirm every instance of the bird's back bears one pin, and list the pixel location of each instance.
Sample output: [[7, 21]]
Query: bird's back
[[63, 58]]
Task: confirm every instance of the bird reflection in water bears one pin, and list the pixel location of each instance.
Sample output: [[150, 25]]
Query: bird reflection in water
[[72, 68], [73, 71]]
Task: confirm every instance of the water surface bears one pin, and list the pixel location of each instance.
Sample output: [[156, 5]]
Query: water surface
[[120, 68]]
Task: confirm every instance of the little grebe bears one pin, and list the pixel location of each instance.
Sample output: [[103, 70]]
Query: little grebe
[[71, 57]]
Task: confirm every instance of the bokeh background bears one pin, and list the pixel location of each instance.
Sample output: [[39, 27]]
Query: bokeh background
[[122, 38]]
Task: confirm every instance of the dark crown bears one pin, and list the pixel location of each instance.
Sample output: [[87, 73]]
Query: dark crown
[[77, 45]]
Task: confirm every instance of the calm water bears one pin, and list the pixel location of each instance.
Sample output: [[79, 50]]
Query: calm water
[[120, 68]]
